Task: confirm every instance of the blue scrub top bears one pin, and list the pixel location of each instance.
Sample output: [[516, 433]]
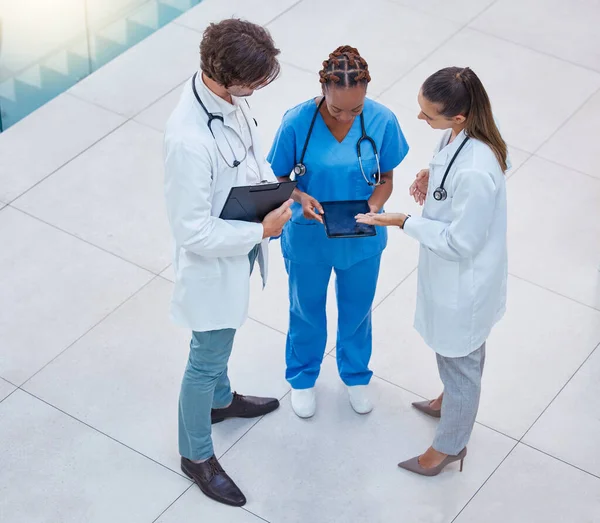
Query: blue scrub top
[[333, 174]]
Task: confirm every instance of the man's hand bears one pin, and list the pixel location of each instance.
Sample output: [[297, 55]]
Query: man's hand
[[275, 220], [418, 189], [309, 204]]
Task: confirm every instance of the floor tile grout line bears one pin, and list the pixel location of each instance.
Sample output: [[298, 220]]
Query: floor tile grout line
[[73, 235], [533, 447], [435, 50], [540, 286], [105, 317], [298, 67], [567, 120], [558, 164], [525, 46], [267, 326], [10, 394], [106, 435], [66, 163], [438, 16], [389, 382], [506, 457], [328, 352], [408, 107], [560, 391], [536, 154], [485, 482], [161, 97], [173, 503], [414, 269], [252, 425], [250, 428], [265, 24], [93, 102], [147, 125], [284, 12], [8, 381], [253, 514], [127, 119], [165, 279]]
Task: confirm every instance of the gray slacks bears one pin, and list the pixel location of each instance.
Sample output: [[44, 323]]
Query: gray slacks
[[462, 388]]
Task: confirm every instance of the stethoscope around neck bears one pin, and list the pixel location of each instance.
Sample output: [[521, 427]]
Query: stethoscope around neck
[[440, 194], [211, 118], [300, 167]]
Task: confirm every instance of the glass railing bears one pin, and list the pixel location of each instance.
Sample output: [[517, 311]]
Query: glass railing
[[46, 46]]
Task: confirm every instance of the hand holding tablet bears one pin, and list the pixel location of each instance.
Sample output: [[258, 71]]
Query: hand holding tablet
[[340, 219]]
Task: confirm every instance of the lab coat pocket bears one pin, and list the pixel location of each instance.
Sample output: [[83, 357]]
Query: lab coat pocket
[[444, 281], [193, 267]]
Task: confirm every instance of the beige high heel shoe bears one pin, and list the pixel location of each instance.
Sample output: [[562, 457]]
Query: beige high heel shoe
[[425, 407], [413, 465]]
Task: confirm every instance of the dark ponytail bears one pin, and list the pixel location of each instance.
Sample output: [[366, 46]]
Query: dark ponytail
[[459, 90]]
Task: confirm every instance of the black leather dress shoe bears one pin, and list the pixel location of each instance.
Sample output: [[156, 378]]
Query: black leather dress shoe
[[214, 481], [244, 407]]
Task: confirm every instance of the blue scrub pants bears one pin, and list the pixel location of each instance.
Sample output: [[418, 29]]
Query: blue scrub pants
[[307, 334], [205, 386]]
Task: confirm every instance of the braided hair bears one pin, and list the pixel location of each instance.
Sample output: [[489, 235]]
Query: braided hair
[[345, 68]]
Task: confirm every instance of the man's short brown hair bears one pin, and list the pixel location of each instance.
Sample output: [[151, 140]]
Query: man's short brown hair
[[236, 52]]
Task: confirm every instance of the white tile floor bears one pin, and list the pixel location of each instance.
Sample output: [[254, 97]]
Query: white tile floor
[[90, 364]]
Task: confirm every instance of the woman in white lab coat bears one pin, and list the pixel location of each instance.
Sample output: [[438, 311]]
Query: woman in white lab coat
[[463, 260]]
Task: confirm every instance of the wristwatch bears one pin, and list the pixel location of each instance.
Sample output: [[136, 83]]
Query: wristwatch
[[404, 222]]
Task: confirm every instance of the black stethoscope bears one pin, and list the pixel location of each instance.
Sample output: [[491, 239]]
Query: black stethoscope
[[300, 167], [211, 118], [440, 194]]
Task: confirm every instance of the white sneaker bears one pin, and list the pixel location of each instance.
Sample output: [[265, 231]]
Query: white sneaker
[[359, 399], [304, 402]]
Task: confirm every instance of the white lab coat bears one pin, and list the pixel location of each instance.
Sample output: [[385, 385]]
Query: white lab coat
[[463, 256], [211, 263]]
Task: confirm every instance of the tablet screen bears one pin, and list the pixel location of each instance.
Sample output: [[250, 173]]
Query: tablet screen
[[340, 221]]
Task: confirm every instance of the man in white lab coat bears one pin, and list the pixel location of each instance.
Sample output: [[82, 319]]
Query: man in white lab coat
[[211, 145]]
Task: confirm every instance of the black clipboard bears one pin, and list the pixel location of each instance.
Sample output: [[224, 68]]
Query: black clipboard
[[340, 222], [251, 203]]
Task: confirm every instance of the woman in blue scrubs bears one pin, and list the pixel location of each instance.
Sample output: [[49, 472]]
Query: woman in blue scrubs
[[333, 173]]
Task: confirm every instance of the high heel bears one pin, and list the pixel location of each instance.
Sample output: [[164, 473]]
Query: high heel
[[413, 465], [425, 407]]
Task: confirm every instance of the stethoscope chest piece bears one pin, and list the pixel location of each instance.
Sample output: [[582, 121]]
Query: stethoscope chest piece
[[440, 194], [299, 169]]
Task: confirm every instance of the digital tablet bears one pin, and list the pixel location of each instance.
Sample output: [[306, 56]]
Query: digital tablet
[[340, 222]]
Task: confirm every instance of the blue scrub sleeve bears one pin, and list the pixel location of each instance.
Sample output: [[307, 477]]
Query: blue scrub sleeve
[[393, 147], [282, 155]]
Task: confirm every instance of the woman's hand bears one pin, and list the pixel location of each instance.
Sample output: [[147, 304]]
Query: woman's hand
[[418, 189], [385, 219], [309, 204]]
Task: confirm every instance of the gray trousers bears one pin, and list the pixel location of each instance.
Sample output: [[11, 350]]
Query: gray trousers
[[462, 387]]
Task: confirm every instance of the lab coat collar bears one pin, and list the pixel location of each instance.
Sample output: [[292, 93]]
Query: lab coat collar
[[215, 104], [445, 152]]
